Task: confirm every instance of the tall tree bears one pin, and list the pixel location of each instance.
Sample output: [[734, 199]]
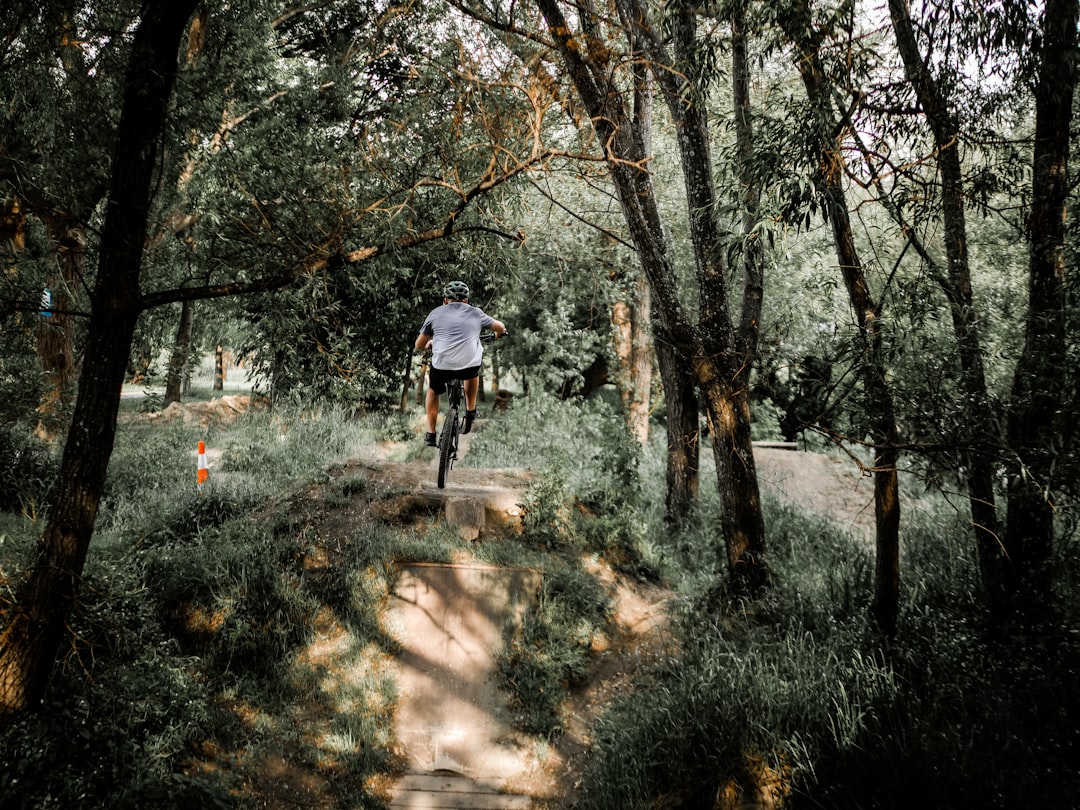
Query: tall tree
[[980, 440], [718, 348], [827, 127], [1038, 388], [46, 595], [634, 349]]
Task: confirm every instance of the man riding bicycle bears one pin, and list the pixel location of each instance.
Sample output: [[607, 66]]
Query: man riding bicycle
[[453, 332]]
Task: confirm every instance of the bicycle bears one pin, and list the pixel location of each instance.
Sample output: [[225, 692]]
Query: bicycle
[[451, 429]]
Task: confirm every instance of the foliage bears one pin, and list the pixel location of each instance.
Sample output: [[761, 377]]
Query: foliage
[[554, 648], [124, 711], [585, 445], [568, 274], [796, 692], [29, 471], [320, 342], [188, 599]]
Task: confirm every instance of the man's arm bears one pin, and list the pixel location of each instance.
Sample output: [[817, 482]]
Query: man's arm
[[423, 341], [498, 327]]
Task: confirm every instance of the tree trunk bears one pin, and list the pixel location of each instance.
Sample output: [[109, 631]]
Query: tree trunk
[[727, 403], [633, 349], [1038, 383], [219, 369], [635, 344], [712, 347], [982, 434], [883, 428], [797, 24], [406, 381], [178, 361], [683, 434], [420, 394], [44, 598]]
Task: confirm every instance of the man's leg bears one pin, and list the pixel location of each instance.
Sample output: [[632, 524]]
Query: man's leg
[[472, 387], [432, 407]]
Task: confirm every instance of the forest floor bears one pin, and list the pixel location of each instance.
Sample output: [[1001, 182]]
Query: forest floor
[[402, 494]]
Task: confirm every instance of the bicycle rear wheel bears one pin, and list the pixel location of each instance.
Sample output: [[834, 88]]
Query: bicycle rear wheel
[[447, 445]]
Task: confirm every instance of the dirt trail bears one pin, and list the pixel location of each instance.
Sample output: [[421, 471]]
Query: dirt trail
[[637, 638], [826, 485], [452, 721]]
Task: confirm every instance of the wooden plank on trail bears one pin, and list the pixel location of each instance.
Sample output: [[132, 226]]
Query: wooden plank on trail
[[443, 783], [436, 792]]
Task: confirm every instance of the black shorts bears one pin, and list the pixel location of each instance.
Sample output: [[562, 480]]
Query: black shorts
[[437, 378]]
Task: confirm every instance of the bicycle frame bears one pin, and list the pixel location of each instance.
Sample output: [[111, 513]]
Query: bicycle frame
[[451, 429], [448, 441]]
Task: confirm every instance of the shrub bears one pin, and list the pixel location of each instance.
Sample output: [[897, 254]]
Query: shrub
[[554, 648], [28, 472]]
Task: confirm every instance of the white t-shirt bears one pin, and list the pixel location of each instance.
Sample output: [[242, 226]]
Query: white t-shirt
[[455, 329]]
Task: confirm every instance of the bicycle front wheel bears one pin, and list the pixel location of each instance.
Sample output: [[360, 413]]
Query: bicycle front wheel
[[447, 446]]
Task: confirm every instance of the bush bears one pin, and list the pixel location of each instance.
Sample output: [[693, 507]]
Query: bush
[[554, 648], [121, 715], [28, 472], [585, 441]]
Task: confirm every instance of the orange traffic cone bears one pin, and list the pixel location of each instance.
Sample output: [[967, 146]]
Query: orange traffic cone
[[204, 474]]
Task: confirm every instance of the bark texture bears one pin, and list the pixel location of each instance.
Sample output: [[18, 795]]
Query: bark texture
[[1038, 384], [683, 434], [45, 597]]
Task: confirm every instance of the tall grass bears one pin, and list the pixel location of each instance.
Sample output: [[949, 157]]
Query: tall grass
[[586, 495], [585, 444], [189, 649], [798, 692], [552, 652], [192, 653]]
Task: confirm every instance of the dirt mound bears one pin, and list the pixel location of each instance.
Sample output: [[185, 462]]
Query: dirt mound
[[219, 411], [403, 494]]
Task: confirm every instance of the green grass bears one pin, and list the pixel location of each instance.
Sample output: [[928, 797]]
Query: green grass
[[944, 715], [552, 652], [190, 657], [195, 614]]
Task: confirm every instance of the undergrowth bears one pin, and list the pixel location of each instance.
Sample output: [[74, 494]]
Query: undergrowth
[[552, 651], [798, 695], [190, 659]]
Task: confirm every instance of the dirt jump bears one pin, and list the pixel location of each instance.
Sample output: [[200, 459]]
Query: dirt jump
[[453, 721], [453, 731]]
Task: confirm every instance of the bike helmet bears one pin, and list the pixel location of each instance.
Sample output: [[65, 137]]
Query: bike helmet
[[456, 291]]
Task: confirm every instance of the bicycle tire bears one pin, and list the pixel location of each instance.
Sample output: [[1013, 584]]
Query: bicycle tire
[[446, 446]]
